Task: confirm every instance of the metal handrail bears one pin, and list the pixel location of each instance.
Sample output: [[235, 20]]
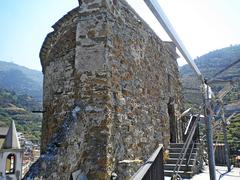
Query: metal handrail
[[188, 126], [189, 157], [152, 168], [185, 148], [188, 142]]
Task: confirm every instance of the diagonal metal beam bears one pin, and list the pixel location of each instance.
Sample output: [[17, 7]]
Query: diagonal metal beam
[[231, 116], [223, 92], [163, 20], [233, 80], [223, 70], [184, 113]]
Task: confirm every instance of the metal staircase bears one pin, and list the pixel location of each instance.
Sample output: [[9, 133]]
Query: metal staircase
[[188, 167], [185, 159]]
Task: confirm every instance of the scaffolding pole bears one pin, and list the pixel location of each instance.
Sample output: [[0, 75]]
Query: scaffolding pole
[[163, 20], [209, 130], [226, 145]]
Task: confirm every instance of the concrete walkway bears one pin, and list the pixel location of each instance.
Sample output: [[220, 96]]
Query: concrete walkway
[[233, 175]]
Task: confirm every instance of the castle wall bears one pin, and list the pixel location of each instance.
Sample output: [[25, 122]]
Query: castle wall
[[58, 53], [144, 76], [108, 82]]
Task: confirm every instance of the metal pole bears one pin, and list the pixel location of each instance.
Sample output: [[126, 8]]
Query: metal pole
[[209, 131], [163, 20], [226, 145]]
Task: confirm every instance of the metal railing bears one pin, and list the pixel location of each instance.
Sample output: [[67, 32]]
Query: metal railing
[[185, 148], [153, 168], [189, 156]]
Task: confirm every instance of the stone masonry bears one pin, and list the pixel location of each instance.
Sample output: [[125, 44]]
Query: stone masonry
[[108, 84]]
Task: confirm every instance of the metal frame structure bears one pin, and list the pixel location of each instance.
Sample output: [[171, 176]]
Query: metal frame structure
[[163, 20], [183, 153], [222, 93], [223, 70]]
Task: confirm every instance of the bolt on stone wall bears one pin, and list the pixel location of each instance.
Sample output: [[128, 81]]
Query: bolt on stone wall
[[108, 80]]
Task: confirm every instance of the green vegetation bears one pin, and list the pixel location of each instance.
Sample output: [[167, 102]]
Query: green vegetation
[[18, 108], [209, 65], [21, 80], [20, 93], [233, 133]]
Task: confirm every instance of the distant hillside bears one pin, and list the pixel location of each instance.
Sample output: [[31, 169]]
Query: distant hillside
[[21, 79], [18, 108], [210, 64], [214, 61]]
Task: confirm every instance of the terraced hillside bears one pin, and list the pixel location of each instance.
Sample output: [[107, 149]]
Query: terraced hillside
[[21, 80], [209, 65], [18, 108]]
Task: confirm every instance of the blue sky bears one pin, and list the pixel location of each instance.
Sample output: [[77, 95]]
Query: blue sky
[[203, 25]]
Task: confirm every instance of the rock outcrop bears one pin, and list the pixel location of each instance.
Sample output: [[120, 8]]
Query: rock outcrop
[[109, 86]]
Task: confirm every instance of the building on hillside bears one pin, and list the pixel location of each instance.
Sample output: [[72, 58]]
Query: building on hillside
[[3, 133], [11, 154]]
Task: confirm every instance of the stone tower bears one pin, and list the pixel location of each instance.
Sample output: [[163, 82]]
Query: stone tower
[[111, 93], [11, 156]]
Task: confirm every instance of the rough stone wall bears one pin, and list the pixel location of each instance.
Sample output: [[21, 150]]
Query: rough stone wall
[[108, 80], [144, 77], [58, 57]]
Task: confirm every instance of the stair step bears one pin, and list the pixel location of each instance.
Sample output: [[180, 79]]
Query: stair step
[[174, 152], [182, 168], [178, 150], [183, 174], [176, 155], [180, 145], [174, 161]]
